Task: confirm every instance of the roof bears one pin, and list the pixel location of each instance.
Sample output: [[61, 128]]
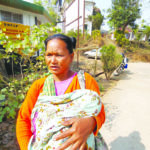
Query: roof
[[90, 1], [26, 6]]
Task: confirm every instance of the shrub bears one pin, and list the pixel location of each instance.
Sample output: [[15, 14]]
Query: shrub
[[73, 33], [110, 60], [96, 35], [121, 40], [13, 90]]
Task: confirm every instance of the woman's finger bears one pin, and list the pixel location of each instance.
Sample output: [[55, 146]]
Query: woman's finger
[[64, 134], [76, 145], [68, 143], [83, 146], [70, 121]]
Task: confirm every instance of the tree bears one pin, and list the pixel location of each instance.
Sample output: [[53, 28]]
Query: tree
[[124, 13], [147, 32], [97, 21], [44, 2], [121, 39], [49, 6], [96, 18], [138, 36], [38, 2]]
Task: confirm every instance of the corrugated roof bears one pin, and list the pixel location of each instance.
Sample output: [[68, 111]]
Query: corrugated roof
[[26, 6]]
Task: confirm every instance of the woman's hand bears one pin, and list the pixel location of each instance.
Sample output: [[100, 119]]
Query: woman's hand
[[78, 133]]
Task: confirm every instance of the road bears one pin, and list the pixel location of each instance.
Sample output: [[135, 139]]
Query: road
[[127, 107]]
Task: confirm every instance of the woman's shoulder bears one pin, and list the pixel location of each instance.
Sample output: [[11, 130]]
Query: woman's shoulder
[[91, 83], [89, 76], [86, 75], [39, 82]]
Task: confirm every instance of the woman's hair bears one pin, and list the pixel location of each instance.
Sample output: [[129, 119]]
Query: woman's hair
[[70, 42]]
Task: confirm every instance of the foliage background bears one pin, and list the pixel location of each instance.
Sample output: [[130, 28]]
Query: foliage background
[[13, 89]]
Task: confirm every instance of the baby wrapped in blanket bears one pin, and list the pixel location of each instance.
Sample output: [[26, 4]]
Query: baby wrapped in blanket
[[50, 111]]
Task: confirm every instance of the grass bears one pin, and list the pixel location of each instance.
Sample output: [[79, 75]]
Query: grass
[[139, 53]]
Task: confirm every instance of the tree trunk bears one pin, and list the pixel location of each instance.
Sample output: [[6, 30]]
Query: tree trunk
[[3, 71], [124, 28]]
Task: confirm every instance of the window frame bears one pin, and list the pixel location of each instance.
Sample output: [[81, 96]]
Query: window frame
[[13, 17]]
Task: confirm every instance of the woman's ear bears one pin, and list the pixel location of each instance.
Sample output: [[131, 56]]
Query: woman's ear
[[72, 56]]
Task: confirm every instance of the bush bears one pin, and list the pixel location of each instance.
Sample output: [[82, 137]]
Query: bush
[[96, 35], [121, 40], [110, 59], [73, 33], [14, 89], [87, 36]]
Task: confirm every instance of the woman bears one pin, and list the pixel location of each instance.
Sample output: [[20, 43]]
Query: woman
[[59, 56]]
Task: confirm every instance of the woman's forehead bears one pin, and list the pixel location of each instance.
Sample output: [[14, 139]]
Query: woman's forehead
[[56, 45], [57, 42]]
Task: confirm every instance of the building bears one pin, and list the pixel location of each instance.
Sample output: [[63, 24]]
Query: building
[[75, 14], [17, 15], [89, 6]]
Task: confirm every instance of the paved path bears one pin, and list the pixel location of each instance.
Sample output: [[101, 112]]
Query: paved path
[[127, 105]]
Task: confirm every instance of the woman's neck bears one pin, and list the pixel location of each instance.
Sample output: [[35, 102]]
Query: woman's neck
[[63, 76]]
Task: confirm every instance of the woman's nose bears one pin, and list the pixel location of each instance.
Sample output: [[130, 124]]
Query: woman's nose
[[53, 59]]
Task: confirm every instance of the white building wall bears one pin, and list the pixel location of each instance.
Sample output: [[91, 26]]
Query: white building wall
[[26, 20], [89, 27], [32, 20], [71, 15], [28, 17], [88, 12], [88, 9]]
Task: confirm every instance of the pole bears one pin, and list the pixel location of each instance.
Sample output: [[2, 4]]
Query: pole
[[83, 17], [78, 37], [95, 66]]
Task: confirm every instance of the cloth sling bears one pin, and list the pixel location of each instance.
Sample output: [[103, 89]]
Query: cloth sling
[[50, 111]]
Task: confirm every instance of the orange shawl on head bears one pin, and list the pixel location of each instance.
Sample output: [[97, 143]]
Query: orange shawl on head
[[23, 128]]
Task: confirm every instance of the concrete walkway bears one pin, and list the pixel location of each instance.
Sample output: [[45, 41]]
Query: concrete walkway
[[127, 107]]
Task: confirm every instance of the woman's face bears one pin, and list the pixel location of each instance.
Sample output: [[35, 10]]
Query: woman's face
[[58, 58]]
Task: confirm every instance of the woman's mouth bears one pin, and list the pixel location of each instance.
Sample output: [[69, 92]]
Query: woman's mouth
[[54, 67]]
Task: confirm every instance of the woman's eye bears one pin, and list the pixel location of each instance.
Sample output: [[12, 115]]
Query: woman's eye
[[48, 55], [60, 55]]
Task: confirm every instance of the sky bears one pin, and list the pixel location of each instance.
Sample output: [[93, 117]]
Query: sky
[[145, 12], [104, 5]]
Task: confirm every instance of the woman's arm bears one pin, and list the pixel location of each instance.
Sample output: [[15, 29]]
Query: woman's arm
[[23, 126], [81, 128], [78, 133], [91, 84]]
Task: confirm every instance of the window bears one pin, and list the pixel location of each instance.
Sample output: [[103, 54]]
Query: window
[[6, 16], [11, 17], [17, 18], [85, 26]]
